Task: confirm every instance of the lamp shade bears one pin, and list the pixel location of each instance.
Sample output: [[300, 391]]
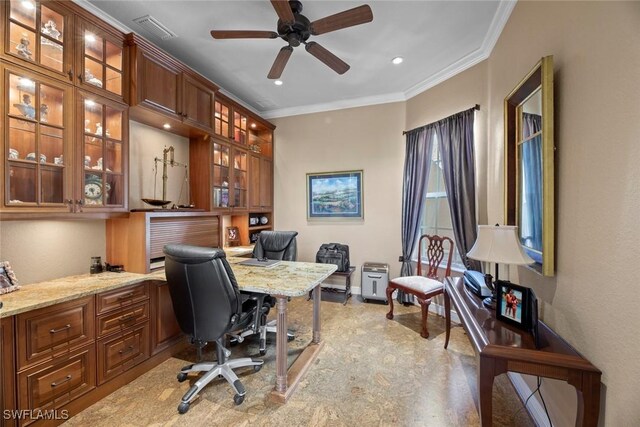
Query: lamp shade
[[499, 244]]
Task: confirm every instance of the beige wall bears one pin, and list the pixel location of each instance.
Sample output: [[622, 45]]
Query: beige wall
[[44, 250], [368, 138], [592, 302], [147, 143]]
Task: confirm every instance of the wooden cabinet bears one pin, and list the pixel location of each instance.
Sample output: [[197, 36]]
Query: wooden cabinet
[[37, 113], [121, 298], [39, 35], [165, 330], [7, 369], [160, 83], [102, 154], [221, 117], [100, 59], [261, 183]]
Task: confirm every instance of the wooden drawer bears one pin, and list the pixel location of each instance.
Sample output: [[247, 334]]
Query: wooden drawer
[[122, 319], [122, 297], [52, 385], [122, 352], [54, 331]]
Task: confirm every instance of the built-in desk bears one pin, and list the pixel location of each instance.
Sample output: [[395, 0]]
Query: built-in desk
[[501, 348]]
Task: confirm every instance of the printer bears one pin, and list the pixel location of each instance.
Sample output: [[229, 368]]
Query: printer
[[474, 281]]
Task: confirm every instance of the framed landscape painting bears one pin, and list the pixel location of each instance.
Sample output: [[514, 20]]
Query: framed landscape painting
[[334, 195]]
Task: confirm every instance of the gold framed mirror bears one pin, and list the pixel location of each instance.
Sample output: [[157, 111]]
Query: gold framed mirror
[[529, 165]]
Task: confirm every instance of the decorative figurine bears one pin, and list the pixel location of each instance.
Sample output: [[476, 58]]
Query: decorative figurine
[[26, 108], [50, 30], [23, 48], [98, 129], [44, 111], [87, 129]]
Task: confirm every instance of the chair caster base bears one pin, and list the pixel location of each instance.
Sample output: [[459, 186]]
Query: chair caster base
[[182, 377], [183, 407], [237, 399]]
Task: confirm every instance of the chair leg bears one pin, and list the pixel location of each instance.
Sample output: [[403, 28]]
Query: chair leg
[[389, 293], [424, 304]]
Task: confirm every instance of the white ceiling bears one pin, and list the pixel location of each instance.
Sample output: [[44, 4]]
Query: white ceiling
[[436, 38]]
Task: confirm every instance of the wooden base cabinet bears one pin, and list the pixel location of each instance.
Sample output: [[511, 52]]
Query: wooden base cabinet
[[165, 330], [7, 370]]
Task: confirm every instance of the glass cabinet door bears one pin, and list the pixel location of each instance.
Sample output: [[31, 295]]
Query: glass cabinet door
[[239, 128], [104, 151], [220, 176], [101, 60], [39, 33], [239, 179], [38, 138], [221, 119]]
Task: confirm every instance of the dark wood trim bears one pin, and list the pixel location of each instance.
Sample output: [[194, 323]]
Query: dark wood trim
[[7, 368]]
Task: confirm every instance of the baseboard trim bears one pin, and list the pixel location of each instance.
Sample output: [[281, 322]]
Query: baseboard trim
[[534, 407]]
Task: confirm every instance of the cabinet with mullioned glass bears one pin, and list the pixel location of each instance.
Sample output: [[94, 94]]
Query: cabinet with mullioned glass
[[229, 178], [37, 114], [102, 154], [39, 35]]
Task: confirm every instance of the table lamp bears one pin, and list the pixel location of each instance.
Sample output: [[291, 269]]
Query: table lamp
[[498, 244]]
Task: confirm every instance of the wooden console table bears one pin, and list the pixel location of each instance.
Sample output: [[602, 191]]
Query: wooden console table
[[503, 348]]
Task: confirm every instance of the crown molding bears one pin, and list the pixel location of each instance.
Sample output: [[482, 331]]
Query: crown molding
[[94, 10], [335, 105]]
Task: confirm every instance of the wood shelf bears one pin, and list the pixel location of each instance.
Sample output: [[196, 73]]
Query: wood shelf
[[260, 227]]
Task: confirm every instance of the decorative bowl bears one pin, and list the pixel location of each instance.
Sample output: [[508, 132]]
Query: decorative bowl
[[155, 202]]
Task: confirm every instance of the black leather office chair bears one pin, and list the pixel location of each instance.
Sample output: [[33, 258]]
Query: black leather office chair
[[280, 245], [208, 305]]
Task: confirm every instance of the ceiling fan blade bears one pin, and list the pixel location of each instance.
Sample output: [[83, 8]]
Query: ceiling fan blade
[[348, 18], [332, 61], [284, 11], [280, 62], [243, 34]]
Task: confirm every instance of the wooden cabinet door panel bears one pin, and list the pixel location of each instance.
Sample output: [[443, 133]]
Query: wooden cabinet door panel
[[197, 103], [254, 182], [122, 352], [266, 184], [120, 298], [54, 385], [53, 331], [164, 327], [158, 84], [122, 319]]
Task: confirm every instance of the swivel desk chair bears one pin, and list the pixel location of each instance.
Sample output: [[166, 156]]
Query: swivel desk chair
[[280, 245], [208, 305]]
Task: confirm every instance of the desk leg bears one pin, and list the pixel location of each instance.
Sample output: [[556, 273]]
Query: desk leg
[[317, 291], [281, 345], [447, 317], [588, 391], [485, 389], [347, 290]]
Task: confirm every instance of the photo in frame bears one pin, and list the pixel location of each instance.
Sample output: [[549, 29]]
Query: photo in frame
[[8, 280], [233, 236], [515, 305], [335, 195]]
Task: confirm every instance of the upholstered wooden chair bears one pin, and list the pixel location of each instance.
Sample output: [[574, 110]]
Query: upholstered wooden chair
[[428, 286]]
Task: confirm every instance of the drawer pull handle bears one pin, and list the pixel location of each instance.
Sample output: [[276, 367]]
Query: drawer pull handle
[[55, 384], [64, 328], [125, 296], [127, 350], [125, 319]]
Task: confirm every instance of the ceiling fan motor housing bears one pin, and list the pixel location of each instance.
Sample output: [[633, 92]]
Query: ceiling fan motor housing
[[299, 31]]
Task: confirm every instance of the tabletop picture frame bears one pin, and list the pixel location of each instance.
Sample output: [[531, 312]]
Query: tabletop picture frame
[[514, 304], [335, 196], [8, 280], [233, 236]]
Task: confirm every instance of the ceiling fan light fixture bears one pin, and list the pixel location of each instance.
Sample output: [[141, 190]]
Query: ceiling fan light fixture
[[278, 82], [397, 60]]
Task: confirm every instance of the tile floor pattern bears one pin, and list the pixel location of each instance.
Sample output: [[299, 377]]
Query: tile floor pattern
[[371, 372]]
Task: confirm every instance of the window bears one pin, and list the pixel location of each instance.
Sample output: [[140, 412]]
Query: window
[[436, 218]]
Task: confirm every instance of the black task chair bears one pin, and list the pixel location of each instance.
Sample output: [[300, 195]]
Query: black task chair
[[280, 245], [208, 305]]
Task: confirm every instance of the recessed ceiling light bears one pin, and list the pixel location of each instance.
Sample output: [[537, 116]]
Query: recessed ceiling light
[[397, 60], [89, 103], [166, 126], [253, 125], [28, 5], [90, 37], [278, 83]]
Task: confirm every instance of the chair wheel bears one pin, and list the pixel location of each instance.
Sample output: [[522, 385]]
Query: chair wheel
[[238, 399], [257, 368], [263, 352], [181, 377], [183, 408], [290, 338], [364, 300]]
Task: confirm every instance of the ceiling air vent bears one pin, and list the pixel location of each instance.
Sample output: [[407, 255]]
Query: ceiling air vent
[[156, 28]]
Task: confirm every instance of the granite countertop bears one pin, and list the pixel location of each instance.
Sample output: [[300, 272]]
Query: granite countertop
[[287, 278], [238, 250]]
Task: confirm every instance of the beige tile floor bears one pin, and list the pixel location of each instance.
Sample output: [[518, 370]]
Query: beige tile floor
[[371, 372]]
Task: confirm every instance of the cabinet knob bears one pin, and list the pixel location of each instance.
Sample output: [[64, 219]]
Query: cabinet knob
[[69, 203], [79, 202], [70, 74], [80, 77]]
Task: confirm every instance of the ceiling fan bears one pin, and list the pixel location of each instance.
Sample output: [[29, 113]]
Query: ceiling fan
[[295, 29]]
